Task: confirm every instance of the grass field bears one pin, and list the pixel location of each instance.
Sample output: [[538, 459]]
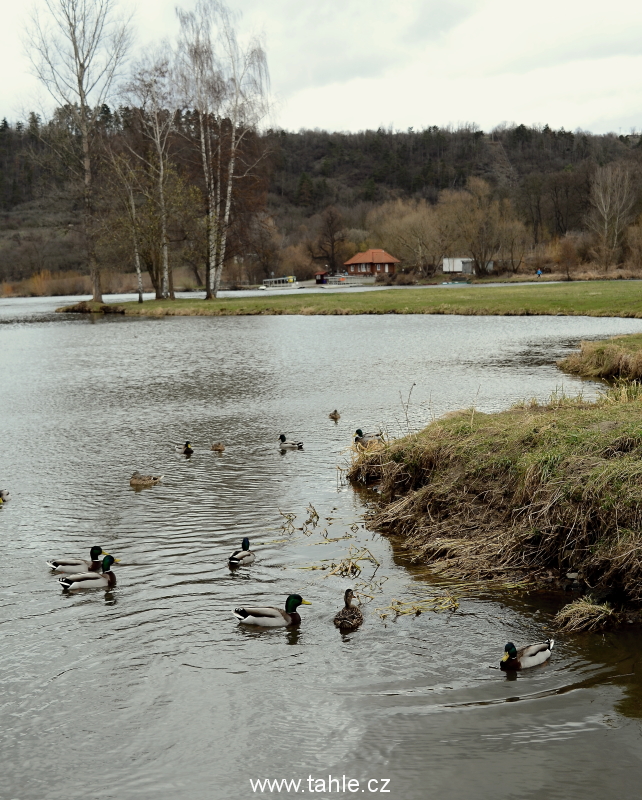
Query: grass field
[[594, 298]]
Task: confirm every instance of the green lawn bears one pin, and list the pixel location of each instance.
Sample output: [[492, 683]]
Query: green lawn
[[592, 298]]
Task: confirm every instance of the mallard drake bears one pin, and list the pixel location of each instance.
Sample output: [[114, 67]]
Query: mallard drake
[[242, 557], [74, 566], [335, 415], [350, 617], [218, 447], [529, 656], [365, 439], [144, 480], [90, 580], [285, 445], [4, 496], [270, 617], [186, 449]]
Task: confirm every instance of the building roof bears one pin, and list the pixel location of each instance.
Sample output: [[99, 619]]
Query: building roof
[[373, 257]]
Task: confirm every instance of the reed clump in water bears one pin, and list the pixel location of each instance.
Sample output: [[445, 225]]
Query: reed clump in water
[[617, 358], [585, 614], [538, 487]]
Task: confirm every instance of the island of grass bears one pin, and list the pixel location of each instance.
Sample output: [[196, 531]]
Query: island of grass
[[594, 298], [619, 358], [551, 494]]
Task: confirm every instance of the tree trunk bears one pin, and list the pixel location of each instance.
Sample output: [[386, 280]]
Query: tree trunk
[[207, 176], [139, 274], [88, 218], [226, 218], [217, 233], [163, 219]]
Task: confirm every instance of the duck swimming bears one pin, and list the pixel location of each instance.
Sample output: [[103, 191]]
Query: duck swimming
[[530, 656], [365, 439], [285, 445], [269, 617], [218, 447], [335, 415], [186, 449], [144, 480], [350, 617], [73, 566], [242, 557], [90, 580]]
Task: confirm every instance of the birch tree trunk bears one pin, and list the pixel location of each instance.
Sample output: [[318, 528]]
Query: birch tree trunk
[[139, 272], [151, 91], [222, 82]]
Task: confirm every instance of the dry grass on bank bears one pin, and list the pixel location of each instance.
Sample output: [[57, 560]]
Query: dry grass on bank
[[620, 357], [536, 488], [584, 614], [58, 284]]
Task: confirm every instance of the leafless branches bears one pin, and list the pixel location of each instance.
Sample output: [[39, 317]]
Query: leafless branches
[[612, 202], [76, 49], [227, 86]]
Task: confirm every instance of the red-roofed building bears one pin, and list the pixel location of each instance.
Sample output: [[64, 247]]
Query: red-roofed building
[[372, 262]]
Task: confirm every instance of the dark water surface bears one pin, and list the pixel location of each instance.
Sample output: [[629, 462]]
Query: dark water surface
[[153, 690]]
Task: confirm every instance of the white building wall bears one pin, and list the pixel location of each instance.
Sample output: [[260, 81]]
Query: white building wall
[[464, 265]]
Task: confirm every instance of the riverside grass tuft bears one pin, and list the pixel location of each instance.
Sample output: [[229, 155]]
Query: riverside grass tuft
[[619, 358], [517, 494], [593, 298], [585, 614]]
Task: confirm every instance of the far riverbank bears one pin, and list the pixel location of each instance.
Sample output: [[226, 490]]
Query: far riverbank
[[595, 298]]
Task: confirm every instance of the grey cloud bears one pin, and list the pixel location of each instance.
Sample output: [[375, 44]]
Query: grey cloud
[[589, 48], [313, 45]]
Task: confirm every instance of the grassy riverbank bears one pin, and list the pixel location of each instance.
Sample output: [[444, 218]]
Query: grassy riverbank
[[539, 491], [595, 298], [620, 357]]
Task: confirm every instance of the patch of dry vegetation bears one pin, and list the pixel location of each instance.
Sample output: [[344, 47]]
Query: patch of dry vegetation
[[620, 357], [58, 284], [538, 487], [584, 614]]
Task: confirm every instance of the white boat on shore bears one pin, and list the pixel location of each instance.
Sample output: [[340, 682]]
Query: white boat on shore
[[286, 282]]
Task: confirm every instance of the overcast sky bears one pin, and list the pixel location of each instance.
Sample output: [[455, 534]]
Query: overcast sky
[[356, 64]]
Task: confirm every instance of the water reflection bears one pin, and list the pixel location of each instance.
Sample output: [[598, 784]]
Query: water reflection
[[410, 699]]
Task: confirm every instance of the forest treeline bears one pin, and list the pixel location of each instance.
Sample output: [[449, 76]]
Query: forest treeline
[[171, 172]]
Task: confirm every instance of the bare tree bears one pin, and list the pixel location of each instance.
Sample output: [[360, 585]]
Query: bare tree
[[612, 201], [514, 243], [330, 240], [77, 48], [227, 86], [418, 233], [122, 185], [151, 91], [479, 220]]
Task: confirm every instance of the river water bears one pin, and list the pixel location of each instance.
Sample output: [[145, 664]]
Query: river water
[[153, 690]]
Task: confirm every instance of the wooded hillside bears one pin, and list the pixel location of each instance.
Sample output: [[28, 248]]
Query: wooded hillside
[[544, 176]]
